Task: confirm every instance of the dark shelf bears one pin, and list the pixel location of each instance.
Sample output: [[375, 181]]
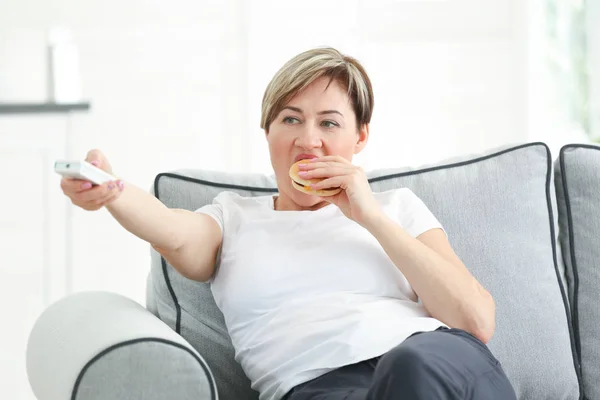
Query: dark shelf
[[42, 108]]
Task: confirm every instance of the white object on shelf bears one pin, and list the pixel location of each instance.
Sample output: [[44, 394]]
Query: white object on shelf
[[64, 81]]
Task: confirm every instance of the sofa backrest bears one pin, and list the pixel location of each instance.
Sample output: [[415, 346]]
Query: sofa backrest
[[578, 193], [498, 209]]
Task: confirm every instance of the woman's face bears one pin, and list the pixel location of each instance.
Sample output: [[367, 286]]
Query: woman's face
[[317, 121]]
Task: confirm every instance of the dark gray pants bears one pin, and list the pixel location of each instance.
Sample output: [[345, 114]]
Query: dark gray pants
[[445, 364]]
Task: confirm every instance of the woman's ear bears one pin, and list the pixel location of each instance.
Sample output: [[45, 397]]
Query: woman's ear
[[363, 138]]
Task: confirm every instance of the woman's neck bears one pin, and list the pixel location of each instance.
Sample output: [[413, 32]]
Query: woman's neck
[[282, 203]]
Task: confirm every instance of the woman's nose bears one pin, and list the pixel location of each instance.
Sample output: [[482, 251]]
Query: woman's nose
[[309, 138]]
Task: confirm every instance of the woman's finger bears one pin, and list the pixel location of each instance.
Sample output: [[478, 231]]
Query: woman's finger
[[334, 182], [97, 192], [339, 159], [92, 194], [324, 164], [69, 185], [325, 172]]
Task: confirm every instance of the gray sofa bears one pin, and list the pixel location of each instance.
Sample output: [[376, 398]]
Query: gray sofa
[[526, 224]]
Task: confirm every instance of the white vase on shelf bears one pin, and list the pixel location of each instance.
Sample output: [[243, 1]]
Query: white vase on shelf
[[64, 81]]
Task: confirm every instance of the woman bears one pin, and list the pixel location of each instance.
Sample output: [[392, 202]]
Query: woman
[[354, 296]]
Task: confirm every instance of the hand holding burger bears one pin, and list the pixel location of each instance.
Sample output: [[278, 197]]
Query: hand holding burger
[[339, 182], [304, 185]]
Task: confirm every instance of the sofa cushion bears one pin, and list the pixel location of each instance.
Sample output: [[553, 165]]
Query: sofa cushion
[[497, 209], [578, 192], [186, 305]]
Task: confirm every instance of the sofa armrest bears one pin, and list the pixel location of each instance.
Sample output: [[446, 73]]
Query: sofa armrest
[[99, 345]]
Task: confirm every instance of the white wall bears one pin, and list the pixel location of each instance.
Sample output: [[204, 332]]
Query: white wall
[[179, 85], [163, 79], [449, 76]]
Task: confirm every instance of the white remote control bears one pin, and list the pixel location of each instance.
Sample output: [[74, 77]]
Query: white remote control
[[82, 170]]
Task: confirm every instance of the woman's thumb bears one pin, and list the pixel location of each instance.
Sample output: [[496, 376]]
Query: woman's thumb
[[94, 157]]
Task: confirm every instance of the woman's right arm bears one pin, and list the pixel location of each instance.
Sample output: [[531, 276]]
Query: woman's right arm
[[188, 240]]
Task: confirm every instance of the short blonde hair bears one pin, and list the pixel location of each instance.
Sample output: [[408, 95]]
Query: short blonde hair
[[305, 68]]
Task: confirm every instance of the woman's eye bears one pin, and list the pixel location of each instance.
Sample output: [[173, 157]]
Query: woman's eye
[[329, 124], [290, 120]]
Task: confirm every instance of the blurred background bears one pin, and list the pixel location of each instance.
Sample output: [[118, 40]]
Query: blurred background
[[160, 85]]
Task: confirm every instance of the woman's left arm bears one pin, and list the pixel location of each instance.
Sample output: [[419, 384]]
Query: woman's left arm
[[447, 289]]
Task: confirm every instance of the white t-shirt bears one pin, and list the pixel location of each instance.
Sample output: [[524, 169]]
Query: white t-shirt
[[306, 292]]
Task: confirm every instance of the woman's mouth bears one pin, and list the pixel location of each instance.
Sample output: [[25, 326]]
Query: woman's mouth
[[304, 157]]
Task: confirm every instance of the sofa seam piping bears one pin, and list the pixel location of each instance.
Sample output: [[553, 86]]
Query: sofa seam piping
[[574, 267], [202, 362]]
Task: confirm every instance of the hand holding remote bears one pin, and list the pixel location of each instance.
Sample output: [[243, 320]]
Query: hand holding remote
[[87, 196]]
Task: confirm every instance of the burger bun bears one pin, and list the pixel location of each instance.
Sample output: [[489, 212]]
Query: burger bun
[[300, 184]]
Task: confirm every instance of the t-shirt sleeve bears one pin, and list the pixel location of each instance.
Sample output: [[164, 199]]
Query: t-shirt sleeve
[[414, 215], [215, 210]]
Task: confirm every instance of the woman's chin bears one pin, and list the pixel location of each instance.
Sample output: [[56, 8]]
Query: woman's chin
[[305, 199]]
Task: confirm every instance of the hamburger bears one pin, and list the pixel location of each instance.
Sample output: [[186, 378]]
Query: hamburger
[[300, 184]]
